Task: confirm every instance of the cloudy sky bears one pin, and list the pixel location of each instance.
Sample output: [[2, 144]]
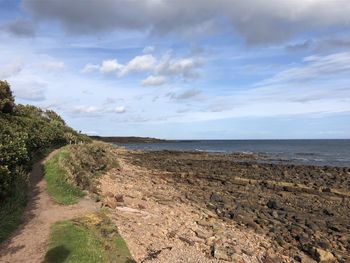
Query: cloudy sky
[[199, 69]]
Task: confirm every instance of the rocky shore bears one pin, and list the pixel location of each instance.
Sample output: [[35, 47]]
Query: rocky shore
[[287, 213]]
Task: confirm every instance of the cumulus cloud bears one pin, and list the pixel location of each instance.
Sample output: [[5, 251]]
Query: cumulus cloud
[[258, 21], [90, 68], [148, 49], [93, 111], [185, 67], [138, 64], [110, 66], [154, 81], [120, 109], [11, 69], [20, 27], [167, 65]]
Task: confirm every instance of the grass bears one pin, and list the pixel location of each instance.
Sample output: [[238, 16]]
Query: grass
[[71, 242], [90, 239], [56, 178], [76, 168]]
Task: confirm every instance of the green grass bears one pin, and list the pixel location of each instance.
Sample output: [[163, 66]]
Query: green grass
[[57, 185], [71, 242], [11, 214], [91, 239]]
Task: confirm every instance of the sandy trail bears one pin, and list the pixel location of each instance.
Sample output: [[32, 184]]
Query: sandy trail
[[29, 242]]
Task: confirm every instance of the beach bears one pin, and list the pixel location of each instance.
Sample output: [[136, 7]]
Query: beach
[[232, 207]]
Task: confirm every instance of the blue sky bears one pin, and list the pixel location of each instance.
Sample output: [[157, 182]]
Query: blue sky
[[199, 69]]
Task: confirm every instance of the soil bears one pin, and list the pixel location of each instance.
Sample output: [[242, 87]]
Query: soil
[[29, 242]]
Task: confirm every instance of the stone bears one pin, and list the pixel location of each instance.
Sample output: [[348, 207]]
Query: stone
[[203, 234], [221, 253], [319, 254], [272, 204], [110, 202], [187, 240], [323, 255], [119, 198], [141, 206]]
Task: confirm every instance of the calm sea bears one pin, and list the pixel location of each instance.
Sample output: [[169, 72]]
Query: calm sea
[[315, 152]]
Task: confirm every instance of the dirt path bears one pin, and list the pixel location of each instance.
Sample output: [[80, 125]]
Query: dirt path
[[29, 242]]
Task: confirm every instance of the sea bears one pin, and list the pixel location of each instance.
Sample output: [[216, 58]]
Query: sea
[[307, 152]]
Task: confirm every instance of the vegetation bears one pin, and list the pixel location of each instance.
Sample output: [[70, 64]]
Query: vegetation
[[92, 238], [76, 168], [26, 133]]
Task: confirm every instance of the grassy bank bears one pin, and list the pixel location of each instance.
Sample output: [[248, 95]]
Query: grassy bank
[[57, 184], [76, 168], [90, 239]]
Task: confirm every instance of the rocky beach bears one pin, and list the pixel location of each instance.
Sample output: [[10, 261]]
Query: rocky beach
[[229, 207]]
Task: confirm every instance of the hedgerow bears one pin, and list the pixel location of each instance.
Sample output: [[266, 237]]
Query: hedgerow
[[26, 133]]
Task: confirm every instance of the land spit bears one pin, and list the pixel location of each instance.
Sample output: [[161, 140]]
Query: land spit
[[200, 207]]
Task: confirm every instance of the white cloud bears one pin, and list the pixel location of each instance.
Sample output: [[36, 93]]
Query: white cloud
[[11, 69], [110, 66], [148, 49], [186, 68], [154, 81], [87, 110], [120, 109], [139, 63], [90, 68]]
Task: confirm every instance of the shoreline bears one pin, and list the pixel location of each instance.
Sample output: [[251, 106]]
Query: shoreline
[[302, 209]]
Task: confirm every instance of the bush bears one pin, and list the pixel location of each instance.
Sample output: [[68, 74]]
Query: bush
[[7, 101], [26, 133]]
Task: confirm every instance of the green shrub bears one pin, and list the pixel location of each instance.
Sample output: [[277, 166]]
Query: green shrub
[[26, 133]]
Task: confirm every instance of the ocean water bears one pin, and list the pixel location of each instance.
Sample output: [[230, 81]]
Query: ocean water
[[313, 152]]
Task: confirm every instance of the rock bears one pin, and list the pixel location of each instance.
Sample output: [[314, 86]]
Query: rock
[[110, 202], [119, 198], [203, 234], [187, 240], [272, 204], [141, 206], [221, 253], [319, 254], [324, 256], [216, 198]]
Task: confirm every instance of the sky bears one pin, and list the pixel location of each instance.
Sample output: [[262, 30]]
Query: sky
[[199, 69]]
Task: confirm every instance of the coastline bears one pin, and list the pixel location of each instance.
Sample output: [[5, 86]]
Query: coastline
[[299, 212]]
